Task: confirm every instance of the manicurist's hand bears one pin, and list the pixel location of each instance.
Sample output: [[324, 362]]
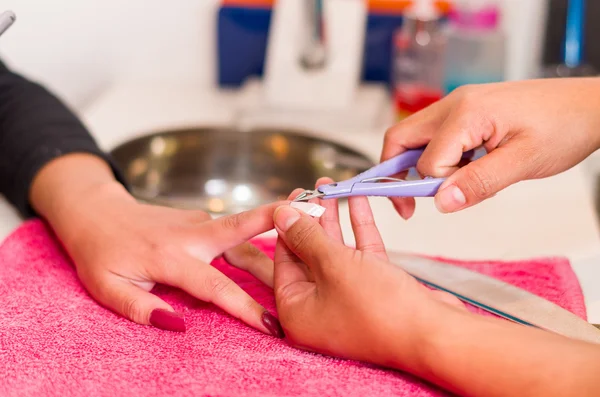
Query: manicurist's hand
[[530, 129], [353, 303], [121, 248]]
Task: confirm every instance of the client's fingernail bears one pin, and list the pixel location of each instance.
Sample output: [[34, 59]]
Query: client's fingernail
[[450, 199], [169, 321], [273, 325], [285, 217]]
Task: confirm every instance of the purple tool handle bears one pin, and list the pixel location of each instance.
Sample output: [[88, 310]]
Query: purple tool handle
[[420, 188]]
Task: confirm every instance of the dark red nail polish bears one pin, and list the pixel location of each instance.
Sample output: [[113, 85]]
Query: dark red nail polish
[[273, 325], [170, 321]]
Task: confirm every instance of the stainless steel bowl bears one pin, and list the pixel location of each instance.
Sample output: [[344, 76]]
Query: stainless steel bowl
[[226, 171]]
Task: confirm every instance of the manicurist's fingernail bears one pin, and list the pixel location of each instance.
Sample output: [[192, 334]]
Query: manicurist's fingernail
[[285, 217], [273, 325], [169, 321], [450, 199], [404, 212]]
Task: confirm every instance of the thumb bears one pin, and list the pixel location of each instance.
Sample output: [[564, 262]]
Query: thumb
[[481, 179], [138, 305], [306, 238]]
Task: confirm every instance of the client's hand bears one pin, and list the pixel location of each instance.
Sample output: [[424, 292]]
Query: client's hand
[[122, 248], [343, 301]]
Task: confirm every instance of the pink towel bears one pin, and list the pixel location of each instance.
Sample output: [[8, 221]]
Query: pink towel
[[55, 340]]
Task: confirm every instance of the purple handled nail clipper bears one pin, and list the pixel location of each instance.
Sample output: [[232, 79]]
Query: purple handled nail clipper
[[377, 181]]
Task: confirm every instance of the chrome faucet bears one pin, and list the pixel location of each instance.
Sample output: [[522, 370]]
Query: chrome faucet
[[314, 54]]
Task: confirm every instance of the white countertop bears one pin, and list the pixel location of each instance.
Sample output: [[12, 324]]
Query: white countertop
[[550, 217]]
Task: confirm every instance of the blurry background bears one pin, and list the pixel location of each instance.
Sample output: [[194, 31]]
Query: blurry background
[[80, 47], [555, 32]]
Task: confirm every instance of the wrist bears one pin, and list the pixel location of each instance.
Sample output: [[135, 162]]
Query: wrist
[[71, 184], [415, 347]]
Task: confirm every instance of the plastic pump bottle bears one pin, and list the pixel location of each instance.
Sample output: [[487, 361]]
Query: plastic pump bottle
[[418, 64], [475, 50]]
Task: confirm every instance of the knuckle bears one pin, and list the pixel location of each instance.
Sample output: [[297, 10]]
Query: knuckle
[[252, 251], [285, 257], [300, 237], [162, 261], [238, 220], [245, 256], [427, 167], [479, 182], [249, 306], [464, 91], [133, 310], [373, 248], [469, 100], [390, 132], [232, 221], [155, 247], [364, 223], [218, 286], [393, 134]]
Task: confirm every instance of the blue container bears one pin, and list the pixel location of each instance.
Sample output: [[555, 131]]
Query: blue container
[[241, 43], [242, 35]]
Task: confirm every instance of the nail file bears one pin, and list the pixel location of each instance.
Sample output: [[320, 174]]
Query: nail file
[[496, 297], [312, 209]]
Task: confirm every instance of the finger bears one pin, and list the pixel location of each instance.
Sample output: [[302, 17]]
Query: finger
[[232, 230], [295, 194], [482, 179], [330, 220], [305, 237], [417, 130], [138, 305], [462, 131], [210, 285], [401, 137], [249, 258], [405, 206], [365, 231], [414, 132]]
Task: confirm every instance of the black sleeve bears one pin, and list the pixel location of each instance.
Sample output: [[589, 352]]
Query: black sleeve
[[35, 128]]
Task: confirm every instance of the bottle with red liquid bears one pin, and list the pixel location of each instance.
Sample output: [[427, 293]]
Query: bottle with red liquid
[[418, 56]]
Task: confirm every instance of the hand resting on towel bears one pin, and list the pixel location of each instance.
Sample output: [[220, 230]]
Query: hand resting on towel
[[353, 303], [121, 248]]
